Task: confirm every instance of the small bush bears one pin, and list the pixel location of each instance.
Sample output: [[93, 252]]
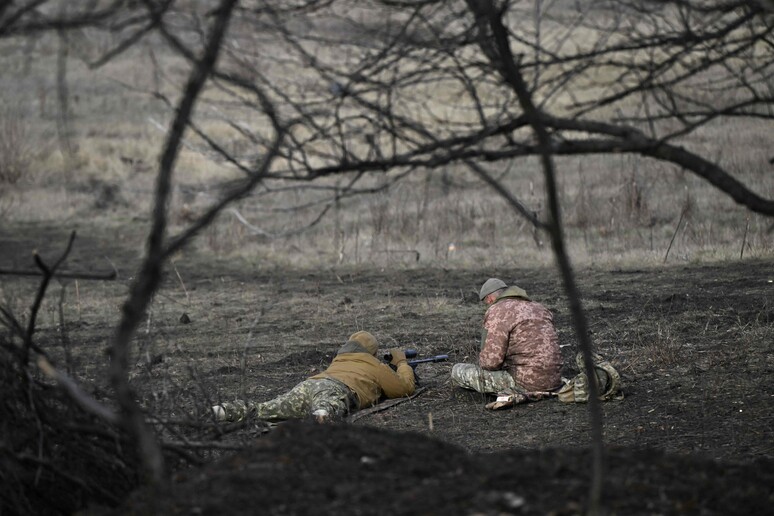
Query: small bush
[[15, 146], [662, 348], [55, 458]]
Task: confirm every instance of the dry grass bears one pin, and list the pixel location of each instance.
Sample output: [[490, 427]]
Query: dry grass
[[15, 147], [662, 348], [621, 210]]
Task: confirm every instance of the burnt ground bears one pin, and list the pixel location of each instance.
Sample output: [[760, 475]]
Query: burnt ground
[[693, 343]]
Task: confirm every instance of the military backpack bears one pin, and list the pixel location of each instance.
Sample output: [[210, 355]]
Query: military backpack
[[576, 390]]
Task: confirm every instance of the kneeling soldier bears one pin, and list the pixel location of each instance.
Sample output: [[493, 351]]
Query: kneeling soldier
[[520, 357]]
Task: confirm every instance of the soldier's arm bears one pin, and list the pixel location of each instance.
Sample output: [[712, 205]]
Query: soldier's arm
[[395, 384], [495, 340]]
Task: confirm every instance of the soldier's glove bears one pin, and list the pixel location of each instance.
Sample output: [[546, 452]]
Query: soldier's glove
[[398, 356]]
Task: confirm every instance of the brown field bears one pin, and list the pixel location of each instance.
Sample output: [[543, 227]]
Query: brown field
[[617, 209], [693, 434]]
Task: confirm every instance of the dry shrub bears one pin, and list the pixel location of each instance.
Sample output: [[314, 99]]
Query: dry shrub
[[54, 457], [15, 146], [584, 207], [380, 214], [635, 207], [7, 204]]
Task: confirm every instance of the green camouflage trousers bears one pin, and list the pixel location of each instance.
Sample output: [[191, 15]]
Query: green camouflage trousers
[[471, 376], [309, 397]]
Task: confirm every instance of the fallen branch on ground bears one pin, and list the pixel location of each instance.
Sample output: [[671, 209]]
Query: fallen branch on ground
[[103, 276], [383, 406]]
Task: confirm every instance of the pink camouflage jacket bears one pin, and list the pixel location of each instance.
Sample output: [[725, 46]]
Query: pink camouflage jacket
[[519, 336]]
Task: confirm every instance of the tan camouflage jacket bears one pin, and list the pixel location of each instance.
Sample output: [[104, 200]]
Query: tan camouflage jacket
[[519, 336], [369, 378]]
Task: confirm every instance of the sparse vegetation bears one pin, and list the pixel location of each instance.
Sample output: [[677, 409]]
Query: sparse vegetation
[[352, 165], [15, 147], [619, 208], [662, 348], [690, 342]]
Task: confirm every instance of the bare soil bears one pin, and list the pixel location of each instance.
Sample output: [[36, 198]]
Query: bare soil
[[693, 343]]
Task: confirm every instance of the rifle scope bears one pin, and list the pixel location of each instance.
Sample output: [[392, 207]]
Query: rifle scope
[[410, 353]]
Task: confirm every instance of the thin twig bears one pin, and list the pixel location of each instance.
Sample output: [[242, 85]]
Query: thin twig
[[47, 275], [674, 235], [65, 339], [383, 406], [744, 237], [187, 297], [78, 299], [248, 342], [86, 402], [88, 486], [201, 445], [100, 276]]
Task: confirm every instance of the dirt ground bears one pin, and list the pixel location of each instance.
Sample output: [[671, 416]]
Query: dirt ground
[[693, 344]]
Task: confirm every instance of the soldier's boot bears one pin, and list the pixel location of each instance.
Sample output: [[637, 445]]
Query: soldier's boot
[[321, 416], [219, 412], [506, 399], [232, 411]]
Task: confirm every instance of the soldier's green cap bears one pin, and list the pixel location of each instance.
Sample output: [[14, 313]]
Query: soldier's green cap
[[489, 286]]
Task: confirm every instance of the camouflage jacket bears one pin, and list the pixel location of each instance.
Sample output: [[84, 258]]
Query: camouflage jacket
[[368, 377], [519, 336]]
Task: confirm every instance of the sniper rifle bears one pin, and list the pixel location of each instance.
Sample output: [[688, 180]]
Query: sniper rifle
[[412, 353]]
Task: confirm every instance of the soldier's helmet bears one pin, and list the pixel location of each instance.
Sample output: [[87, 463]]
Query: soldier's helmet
[[489, 286]]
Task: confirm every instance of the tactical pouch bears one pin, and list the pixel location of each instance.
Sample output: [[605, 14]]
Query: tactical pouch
[[577, 389]]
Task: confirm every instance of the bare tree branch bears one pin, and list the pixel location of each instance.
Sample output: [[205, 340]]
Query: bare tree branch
[[495, 43], [87, 402], [150, 272], [105, 276], [48, 273]]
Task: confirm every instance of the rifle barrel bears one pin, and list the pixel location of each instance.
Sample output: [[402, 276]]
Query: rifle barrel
[[437, 358]]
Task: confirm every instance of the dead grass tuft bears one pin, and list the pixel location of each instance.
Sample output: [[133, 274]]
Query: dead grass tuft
[[15, 147], [660, 348]]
